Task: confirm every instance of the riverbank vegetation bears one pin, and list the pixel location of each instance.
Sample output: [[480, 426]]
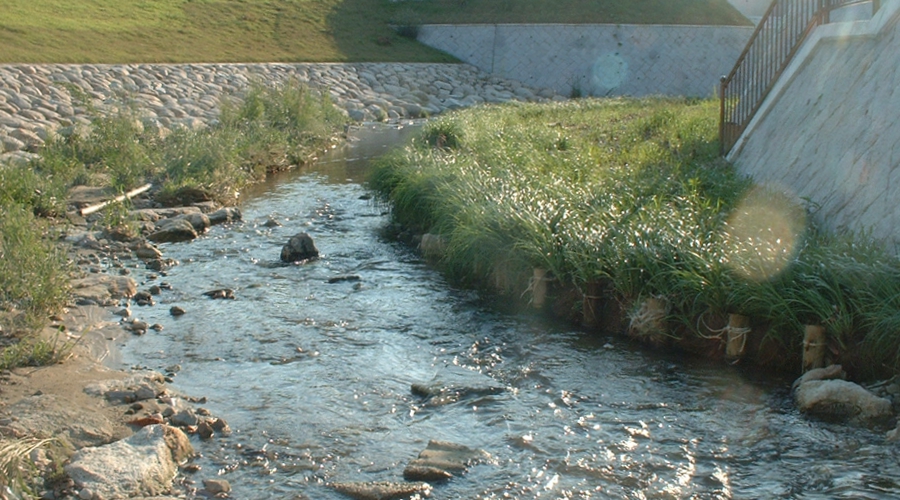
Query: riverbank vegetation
[[642, 228], [18, 474], [271, 129], [191, 31]]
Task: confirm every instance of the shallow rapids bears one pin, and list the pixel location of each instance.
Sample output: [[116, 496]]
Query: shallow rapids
[[315, 377]]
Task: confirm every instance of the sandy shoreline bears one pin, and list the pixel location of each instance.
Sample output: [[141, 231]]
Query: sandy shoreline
[[91, 399]]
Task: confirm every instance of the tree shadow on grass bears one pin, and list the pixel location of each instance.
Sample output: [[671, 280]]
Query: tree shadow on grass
[[365, 30]]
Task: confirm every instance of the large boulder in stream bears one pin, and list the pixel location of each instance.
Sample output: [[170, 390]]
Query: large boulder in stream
[[102, 289], [223, 215], [299, 248], [172, 231], [143, 464], [823, 392]]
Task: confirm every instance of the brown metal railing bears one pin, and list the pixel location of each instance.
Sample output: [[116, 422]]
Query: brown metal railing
[[777, 37]]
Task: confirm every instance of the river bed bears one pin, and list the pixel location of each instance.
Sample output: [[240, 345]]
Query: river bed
[[315, 377]]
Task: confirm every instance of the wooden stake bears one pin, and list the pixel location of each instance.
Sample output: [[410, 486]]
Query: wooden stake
[[538, 288], [590, 303], [100, 206], [814, 346], [736, 336]]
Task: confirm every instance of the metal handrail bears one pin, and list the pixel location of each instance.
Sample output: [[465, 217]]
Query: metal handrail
[[777, 37]]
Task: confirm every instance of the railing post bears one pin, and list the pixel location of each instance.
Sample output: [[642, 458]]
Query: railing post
[[722, 139]]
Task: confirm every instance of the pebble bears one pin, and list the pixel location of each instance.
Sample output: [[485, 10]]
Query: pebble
[[191, 468], [169, 97], [205, 430], [184, 418], [216, 486]]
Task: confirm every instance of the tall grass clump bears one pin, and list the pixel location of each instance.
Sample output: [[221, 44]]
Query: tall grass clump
[[33, 273], [18, 473], [272, 128], [588, 189], [630, 197]]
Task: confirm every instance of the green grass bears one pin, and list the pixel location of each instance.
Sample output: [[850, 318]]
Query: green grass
[[698, 12], [35, 351], [178, 31], [630, 195], [33, 277]]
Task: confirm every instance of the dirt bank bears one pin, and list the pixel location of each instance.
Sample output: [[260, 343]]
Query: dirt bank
[[89, 398]]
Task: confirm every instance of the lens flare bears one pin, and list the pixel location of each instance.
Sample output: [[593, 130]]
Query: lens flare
[[763, 233], [607, 73]]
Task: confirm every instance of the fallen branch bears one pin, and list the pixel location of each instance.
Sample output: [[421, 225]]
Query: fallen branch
[[100, 206]]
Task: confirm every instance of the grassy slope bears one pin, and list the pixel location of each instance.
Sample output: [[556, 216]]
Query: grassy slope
[[118, 31], [702, 12]]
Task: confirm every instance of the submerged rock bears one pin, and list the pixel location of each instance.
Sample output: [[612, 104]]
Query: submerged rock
[[442, 460], [270, 222], [221, 293], [344, 277], [453, 385], [382, 490], [300, 247], [894, 435]]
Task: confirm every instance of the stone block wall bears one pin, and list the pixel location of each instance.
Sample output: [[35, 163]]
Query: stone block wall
[[830, 130], [598, 60]]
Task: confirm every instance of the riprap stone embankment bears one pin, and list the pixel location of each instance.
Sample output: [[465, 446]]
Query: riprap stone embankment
[[37, 101]]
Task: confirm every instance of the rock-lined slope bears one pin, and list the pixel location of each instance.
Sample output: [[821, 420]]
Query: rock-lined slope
[[37, 100]]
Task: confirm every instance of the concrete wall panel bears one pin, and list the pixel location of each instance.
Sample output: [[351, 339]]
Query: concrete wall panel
[[598, 60]]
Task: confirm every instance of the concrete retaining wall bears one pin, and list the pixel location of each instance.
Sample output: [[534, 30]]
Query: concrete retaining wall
[[830, 130], [598, 60]]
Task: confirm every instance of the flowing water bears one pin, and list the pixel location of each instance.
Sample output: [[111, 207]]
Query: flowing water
[[315, 377]]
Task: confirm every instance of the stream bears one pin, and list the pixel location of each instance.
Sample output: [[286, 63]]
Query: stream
[[315, 377]]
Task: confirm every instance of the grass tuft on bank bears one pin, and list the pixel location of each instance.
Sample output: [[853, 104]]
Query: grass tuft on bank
[[272, 128], [629, 197], [19, 477], [180, 31]]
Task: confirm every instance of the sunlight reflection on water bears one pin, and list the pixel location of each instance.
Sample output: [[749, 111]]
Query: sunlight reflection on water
[[315, 378]]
